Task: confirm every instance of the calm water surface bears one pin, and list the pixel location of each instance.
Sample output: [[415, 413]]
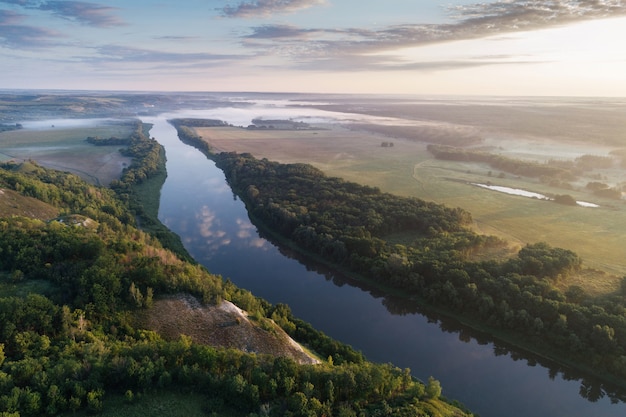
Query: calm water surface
[[197, 204]]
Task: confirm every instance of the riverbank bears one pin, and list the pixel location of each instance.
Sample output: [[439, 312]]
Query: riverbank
[[509, 296], [532, 343], [530, 349], [408, 169], [216, 229]]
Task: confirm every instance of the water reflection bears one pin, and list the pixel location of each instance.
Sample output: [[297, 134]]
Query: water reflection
[[487, 376], [529, 194], [591, 389]]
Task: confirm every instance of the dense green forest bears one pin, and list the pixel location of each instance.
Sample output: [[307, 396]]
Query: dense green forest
[[71, 286], [356, 228]]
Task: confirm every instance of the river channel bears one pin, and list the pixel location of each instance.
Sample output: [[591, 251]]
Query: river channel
[[491, 380]]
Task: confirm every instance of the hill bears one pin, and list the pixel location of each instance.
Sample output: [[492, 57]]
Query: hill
[[224, 325], [72, 336]]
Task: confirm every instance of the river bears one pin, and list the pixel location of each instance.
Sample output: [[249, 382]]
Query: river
[[198, 205]]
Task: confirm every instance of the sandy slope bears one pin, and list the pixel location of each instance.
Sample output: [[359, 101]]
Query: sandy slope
[[225, 325]]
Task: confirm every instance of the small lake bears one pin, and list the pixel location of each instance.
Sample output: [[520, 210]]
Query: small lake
[[529, 194], [493, 381]]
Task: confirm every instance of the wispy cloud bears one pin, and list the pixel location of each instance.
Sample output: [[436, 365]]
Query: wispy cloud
[[83, 12], [178, 38], [17, 2], [92, 14], [279, 31], [17, 36], [315, 48], [264, 8], [514, 15], [126, 55]]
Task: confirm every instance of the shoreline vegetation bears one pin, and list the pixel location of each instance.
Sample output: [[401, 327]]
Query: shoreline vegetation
[[350, 227], [70, 293]]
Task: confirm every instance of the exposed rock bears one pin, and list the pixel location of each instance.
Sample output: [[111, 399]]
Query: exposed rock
[[225, 325]]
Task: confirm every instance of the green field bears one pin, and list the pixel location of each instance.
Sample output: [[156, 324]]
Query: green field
[[65, 149], [408, 169], [596, 234]]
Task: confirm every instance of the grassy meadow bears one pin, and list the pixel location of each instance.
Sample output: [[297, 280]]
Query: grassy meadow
[[65, 149], [408, 169]]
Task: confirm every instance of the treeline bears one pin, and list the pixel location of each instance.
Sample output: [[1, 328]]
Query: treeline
[[8, 128], [68, 346], [140, 184], [198, 122], [348, 224], [148, 159], [603, 190], [65, 191], [64, 350], [137, 130], [344, 222], [187, 135], [510, 165], [428, 134], [112, 141], [553, 169]]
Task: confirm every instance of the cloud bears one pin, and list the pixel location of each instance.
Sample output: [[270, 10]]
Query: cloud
[[265, 8], [316, 47], [278, 31], [91, 14], [177, 38], [17, 2], [481, 19], [126, 54], [381, 63], [85, 13], [9, 18], [17, 36]]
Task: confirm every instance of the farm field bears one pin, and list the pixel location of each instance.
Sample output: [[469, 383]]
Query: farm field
[[408, 168], [351, 147], [64, 148]]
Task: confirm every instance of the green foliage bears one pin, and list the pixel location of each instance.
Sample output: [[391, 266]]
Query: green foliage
[[334, 218], [542, 260], [565, 199], [71, 348], [66, 191], [433, 388], [187, 134], [112, 141], [140, 185], [347, 225]]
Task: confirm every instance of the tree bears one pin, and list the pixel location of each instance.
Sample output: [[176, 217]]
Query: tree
[[94, 400], [433, 389]]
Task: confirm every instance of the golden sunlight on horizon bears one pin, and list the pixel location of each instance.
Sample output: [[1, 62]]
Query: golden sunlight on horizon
[[588, 55]]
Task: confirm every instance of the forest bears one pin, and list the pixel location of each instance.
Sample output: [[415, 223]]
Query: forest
[[69, 292], [354, 228]]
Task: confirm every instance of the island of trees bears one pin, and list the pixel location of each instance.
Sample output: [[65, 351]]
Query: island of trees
[[70, 288]]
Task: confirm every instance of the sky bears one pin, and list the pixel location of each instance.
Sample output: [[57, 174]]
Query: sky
[[454, 47]]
